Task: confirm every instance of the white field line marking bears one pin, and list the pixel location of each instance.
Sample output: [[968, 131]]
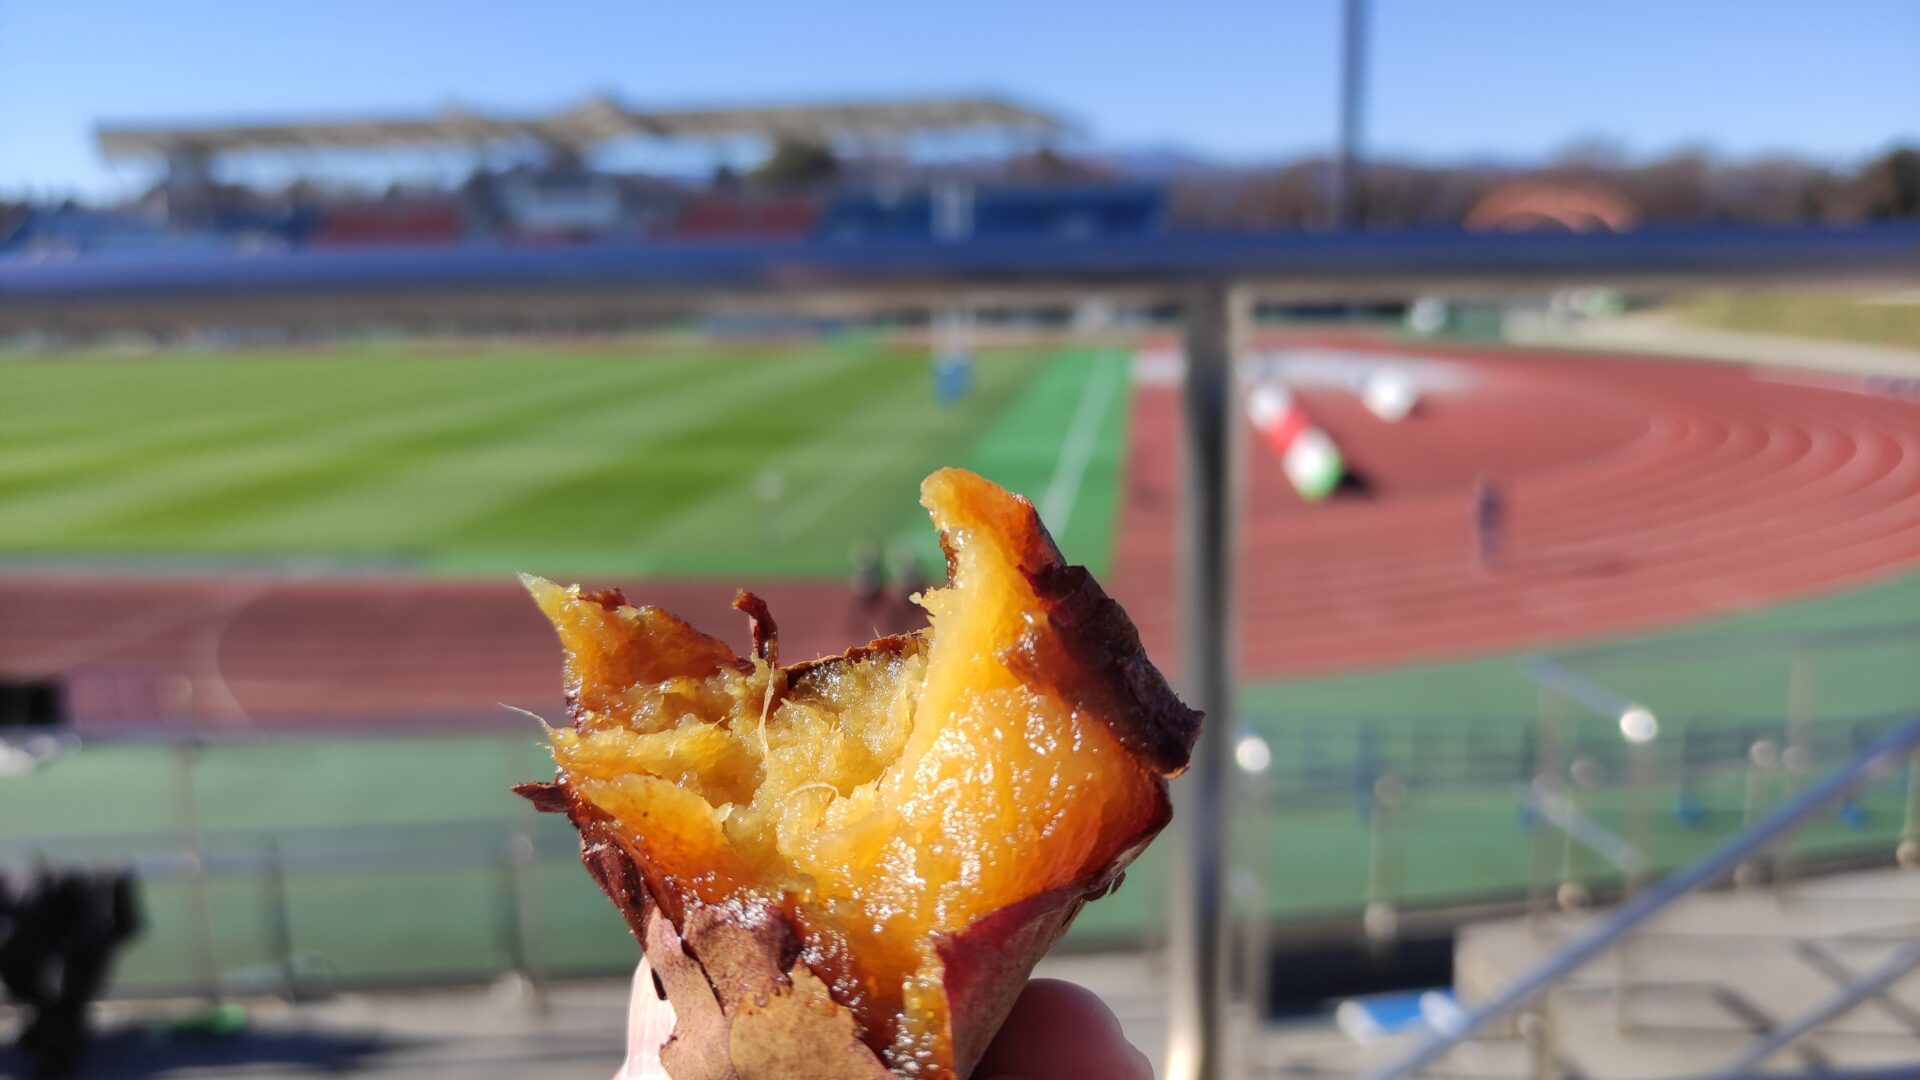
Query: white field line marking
[[1076, 450]]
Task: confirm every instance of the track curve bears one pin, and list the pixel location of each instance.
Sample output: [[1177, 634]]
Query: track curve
[[1640, 493]]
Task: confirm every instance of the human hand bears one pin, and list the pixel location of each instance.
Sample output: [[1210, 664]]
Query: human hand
[[1056, 1031]]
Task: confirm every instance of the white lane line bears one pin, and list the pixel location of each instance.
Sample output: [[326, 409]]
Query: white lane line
[[1076, 450]]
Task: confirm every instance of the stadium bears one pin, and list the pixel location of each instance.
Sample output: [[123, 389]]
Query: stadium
[[270, 470]]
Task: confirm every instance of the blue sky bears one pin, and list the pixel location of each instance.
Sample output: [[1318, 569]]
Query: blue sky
[[1235, 79]]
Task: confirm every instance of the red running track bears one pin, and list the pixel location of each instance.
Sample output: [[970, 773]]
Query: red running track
[[250, 652], [1639, 494]]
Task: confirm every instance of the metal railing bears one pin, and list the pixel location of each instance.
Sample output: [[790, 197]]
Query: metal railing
[[265, 879], [257, 878], [1890, 752]]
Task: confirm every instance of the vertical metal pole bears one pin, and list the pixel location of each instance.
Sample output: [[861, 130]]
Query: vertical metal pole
[[524, 929], [1762, 756], [206, 968], [1546, 767], [1570, 892], [1349, 205], [1640, 779], [1907, 852], [1379, 920], [1249, 958], [1800, 703], [1196, 939], [280, 920], [520, 894], [1642, 771], [1538, 1028], [1797, 759]]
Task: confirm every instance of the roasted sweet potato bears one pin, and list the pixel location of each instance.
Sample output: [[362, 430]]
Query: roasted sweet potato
[[848, 867]]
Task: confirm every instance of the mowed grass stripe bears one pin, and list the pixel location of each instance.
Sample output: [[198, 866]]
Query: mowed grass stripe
[[134, 393], [349, 475], [424, 501], [63, 514], [236, 404], [187, 381], [490, 463], [617, 501], [852, 482], [234, 412], [188, 505]]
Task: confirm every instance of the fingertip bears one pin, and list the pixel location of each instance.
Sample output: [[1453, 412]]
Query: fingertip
[[650, 1021]]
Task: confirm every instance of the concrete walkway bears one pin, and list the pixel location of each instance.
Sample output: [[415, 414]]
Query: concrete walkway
[[577, 1033], [1690, 991]]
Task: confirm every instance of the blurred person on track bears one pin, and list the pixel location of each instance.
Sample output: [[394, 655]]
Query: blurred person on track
[[868, 585], [906, 578], [1489, 516]]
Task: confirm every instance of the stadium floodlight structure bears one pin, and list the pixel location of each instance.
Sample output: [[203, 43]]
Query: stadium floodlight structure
[[1216, 280]]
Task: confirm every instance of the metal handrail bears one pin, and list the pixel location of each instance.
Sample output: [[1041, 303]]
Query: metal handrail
[[1583, 691], [1855, 992], [1560, 812], [1875, 761]]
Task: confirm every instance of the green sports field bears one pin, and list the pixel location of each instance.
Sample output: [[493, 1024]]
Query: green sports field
[[600, 460]]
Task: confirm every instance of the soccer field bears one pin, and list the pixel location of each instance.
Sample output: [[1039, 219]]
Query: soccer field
[[585, 460]]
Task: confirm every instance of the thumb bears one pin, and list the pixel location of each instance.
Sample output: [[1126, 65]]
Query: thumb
[[649, 1024]]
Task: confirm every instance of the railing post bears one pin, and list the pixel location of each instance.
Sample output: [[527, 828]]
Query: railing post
[[1571, 893], [194, 840], [1380, 918], [1250, 969], [1907, 852], [1546, 764], [1536, 1027], [1873, 762], [1762, 758], [519, 921], [1197, 938], [1795, 760], [279, 919], [1640, 777]]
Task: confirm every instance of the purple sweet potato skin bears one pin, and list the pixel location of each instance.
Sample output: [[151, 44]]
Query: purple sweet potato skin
[[745, 1006]]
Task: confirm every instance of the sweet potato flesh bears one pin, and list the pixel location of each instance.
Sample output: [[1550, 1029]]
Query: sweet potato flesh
[[880, 799]]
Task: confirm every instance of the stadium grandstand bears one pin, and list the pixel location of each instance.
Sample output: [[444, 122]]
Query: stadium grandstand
[[846, 171]]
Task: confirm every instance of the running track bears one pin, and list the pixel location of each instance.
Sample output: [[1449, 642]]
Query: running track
[[1639, 494]]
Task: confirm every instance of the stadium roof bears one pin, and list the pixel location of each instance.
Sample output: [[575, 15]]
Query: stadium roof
[[597, 120]]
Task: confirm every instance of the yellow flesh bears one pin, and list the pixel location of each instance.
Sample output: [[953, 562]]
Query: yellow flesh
[[894, 799]]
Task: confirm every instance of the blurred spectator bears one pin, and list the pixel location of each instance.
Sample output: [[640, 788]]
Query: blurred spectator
[[58, 932], [905, 576], [1489, 511], [869, 582]]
